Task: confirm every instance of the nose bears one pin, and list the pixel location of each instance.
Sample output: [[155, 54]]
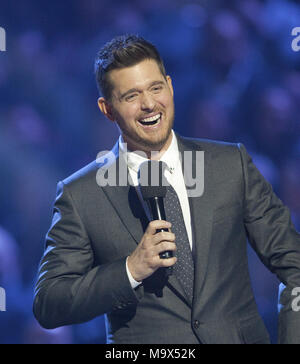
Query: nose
[[147, 102]]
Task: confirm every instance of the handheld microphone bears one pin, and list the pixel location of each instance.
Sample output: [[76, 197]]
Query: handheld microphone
[[153, 189]]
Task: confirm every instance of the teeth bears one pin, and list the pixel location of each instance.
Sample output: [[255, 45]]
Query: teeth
[[152, 118]]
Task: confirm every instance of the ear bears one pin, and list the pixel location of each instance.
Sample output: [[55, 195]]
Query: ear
[[169, 82], [106, 108]]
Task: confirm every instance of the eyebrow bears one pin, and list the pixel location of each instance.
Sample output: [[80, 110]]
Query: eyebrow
[[137, 90]]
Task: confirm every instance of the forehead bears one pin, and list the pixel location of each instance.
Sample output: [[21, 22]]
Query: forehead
[[137, 76]]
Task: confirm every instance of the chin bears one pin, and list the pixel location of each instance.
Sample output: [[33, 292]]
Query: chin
[[157, 144], [146, 143]]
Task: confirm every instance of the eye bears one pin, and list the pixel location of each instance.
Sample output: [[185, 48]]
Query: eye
[[131, 97], [156, 89]]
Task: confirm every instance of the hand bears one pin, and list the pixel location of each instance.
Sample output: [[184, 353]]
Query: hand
[[145, 260]]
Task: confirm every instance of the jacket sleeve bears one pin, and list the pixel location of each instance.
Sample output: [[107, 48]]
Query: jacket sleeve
[[273, 236], [69, 288]]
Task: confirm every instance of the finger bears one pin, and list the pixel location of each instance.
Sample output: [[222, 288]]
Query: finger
[[157, 224], [165, 246], [164, 235], [165, 262]]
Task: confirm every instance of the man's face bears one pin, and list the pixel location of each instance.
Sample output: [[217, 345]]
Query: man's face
[[142, 105]]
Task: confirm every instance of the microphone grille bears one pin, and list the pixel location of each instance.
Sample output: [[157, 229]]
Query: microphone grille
[[152, 180]]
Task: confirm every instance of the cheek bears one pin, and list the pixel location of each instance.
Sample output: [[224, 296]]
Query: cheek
[[128, 115], [165, 100]]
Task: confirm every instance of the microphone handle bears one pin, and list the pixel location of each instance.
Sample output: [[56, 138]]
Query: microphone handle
[[156, 206]]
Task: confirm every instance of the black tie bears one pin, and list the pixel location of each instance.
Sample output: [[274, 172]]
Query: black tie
[[184, 267]]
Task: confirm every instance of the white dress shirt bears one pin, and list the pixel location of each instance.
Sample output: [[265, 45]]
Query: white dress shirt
[[173, 175]]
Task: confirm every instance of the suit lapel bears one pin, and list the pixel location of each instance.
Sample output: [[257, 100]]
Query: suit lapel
[[125, 200], [201, 209], [128, 207]]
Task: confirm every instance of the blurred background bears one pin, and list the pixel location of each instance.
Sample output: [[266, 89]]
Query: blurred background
[[236, 78]]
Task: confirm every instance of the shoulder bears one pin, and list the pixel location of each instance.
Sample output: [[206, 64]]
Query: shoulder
[[209, 145], [86, 177], [223, 157], [84, 174]]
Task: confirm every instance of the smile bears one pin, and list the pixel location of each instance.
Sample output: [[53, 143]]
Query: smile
[[152, 120]]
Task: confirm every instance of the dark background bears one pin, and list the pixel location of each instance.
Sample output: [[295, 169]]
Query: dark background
[[235, 77]]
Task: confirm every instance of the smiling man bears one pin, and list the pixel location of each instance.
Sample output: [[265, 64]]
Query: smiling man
[[140, 101], [103, 252]]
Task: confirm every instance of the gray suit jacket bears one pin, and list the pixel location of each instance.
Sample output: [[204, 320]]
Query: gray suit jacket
[[82, 273]]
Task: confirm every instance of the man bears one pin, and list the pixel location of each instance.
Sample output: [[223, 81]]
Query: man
[[102, 254]]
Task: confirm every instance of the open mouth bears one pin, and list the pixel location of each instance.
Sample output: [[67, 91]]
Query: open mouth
[[153, 120]]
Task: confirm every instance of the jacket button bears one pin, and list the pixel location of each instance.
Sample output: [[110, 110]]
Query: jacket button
[[196, 324]]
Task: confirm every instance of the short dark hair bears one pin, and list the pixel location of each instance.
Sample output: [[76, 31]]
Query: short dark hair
[[123, 51]]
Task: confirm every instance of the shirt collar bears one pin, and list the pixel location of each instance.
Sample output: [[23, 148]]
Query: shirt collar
[[134, 160]]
